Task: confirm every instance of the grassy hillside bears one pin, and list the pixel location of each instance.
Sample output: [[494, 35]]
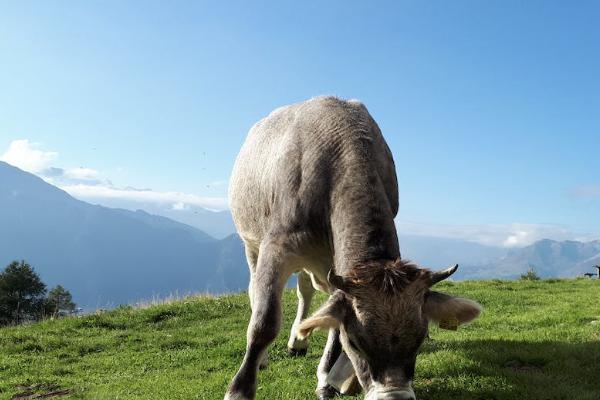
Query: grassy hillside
[[535, 340]]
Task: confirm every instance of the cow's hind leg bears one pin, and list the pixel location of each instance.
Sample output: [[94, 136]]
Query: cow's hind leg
[[305, 292], [266, 288], [332, 351], [252, 259]]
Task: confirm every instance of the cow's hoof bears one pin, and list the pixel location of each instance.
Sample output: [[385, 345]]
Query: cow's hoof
[[327, 393], [230, 396], [296, 352], [263, 364]]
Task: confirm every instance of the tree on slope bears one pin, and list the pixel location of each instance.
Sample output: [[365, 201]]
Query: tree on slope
[[21, 293], [59, 302], [530, 275]]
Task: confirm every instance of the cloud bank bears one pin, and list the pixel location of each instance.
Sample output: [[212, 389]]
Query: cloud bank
[[174, 200], [28, 156], [90, 185], [503, 235]]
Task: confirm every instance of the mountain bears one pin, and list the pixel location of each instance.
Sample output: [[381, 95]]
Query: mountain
[[218, 224], [437, 253], [549, 258], [109, 256]]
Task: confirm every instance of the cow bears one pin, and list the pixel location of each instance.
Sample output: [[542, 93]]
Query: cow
[[314, 192]]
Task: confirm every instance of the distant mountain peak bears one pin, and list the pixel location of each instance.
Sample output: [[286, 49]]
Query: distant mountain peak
[[108, 256], [550, 258]]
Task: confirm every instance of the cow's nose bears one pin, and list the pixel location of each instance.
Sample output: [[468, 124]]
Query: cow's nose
[[397, 395]]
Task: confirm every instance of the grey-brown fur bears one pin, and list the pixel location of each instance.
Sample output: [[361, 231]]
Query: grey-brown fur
[[314, 189]]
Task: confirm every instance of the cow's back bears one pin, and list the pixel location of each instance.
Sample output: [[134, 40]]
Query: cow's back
[[293, 160]]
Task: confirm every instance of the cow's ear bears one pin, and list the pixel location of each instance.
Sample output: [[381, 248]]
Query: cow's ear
[[442, 307], [329, 316]]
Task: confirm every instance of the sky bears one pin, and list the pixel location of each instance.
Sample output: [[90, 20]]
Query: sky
[[491, 109]]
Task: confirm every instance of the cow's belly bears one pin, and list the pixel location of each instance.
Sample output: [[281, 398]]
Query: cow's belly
[[319, 282], [309, 255], [317, 267]]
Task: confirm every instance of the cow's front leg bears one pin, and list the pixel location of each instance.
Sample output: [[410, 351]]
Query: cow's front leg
[[332, 351], [267, 284], [305, 292]]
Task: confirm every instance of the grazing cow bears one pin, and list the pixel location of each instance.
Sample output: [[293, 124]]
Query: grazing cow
[[314, 191]]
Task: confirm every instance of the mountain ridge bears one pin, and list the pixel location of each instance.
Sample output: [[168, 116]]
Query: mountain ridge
[[108, 256], [549, 258]]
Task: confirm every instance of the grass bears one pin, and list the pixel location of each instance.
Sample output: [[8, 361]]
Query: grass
[[535, 340]]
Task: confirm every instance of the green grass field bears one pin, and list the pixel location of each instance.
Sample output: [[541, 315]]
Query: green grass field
[[535, 340]]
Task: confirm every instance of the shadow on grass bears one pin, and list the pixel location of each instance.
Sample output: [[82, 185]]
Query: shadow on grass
[[507, 370]]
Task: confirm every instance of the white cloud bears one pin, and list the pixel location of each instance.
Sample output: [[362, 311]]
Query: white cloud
[[180, 206], [89, 184], [27, 156], [73, 176], [177, 200], [504, 235], [82, 174]]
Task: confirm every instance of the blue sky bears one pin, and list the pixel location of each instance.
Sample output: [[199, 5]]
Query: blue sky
[[490, 108]]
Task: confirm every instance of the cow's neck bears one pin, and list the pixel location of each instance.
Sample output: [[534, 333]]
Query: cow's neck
[[362, 222]]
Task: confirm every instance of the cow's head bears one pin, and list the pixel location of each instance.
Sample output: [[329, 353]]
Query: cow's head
[[382, 311]]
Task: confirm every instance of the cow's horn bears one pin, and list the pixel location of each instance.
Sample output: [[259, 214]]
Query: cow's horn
[[441, 275]]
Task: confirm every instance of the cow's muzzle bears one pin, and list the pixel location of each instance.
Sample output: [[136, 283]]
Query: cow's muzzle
[[391, 394]]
